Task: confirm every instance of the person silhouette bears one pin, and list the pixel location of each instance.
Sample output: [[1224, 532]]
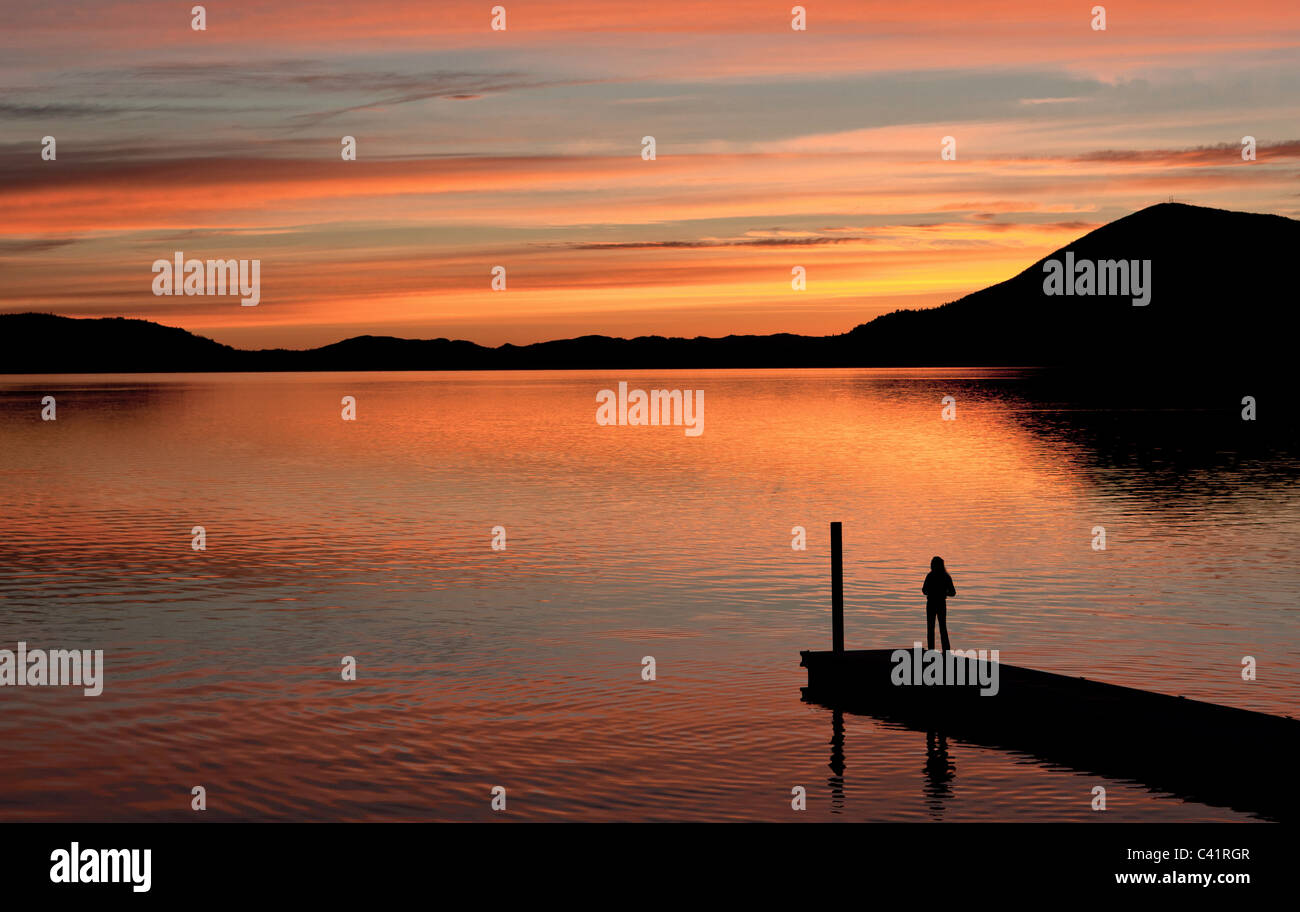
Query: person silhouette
[[938, 588]]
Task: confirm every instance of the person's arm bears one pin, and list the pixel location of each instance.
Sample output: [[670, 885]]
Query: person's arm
[[952, 590], [925, 587]]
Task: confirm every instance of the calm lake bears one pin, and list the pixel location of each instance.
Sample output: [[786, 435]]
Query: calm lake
[[522, 667]]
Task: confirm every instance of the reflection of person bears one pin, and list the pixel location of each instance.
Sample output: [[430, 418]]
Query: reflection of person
[[939, 772], [938, 588]]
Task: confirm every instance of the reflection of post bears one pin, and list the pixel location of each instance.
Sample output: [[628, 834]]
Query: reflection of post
[[837, 588], [939, 772], [836, 782]]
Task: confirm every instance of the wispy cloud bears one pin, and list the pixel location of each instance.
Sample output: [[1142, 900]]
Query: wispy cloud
[[523, 148]]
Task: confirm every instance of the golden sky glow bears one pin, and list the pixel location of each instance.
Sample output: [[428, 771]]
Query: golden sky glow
[[521, 148]]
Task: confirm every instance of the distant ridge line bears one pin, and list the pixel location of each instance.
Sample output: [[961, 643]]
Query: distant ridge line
[[1220, 280]]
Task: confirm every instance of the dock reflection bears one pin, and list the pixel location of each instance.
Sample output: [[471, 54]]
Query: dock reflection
[[836, 780], [940, 770]]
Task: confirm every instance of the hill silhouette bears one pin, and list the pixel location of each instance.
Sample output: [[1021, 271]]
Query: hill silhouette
[[1219, 282]]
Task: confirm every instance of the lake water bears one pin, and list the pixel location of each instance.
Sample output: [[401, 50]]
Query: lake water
[[522, 667]]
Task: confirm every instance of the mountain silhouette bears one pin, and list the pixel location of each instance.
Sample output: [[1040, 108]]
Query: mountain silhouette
[[1218, 283]]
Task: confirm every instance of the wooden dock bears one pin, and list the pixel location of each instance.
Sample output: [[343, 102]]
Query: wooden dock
[[1209, 753]]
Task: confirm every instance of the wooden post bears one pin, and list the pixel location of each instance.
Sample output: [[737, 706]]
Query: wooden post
[[837, 588]]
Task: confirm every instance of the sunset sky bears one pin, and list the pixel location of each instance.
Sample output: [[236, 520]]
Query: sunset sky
[[522, 148]]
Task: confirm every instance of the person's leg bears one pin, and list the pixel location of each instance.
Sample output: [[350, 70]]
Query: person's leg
[[929, 624], [943, 629]]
